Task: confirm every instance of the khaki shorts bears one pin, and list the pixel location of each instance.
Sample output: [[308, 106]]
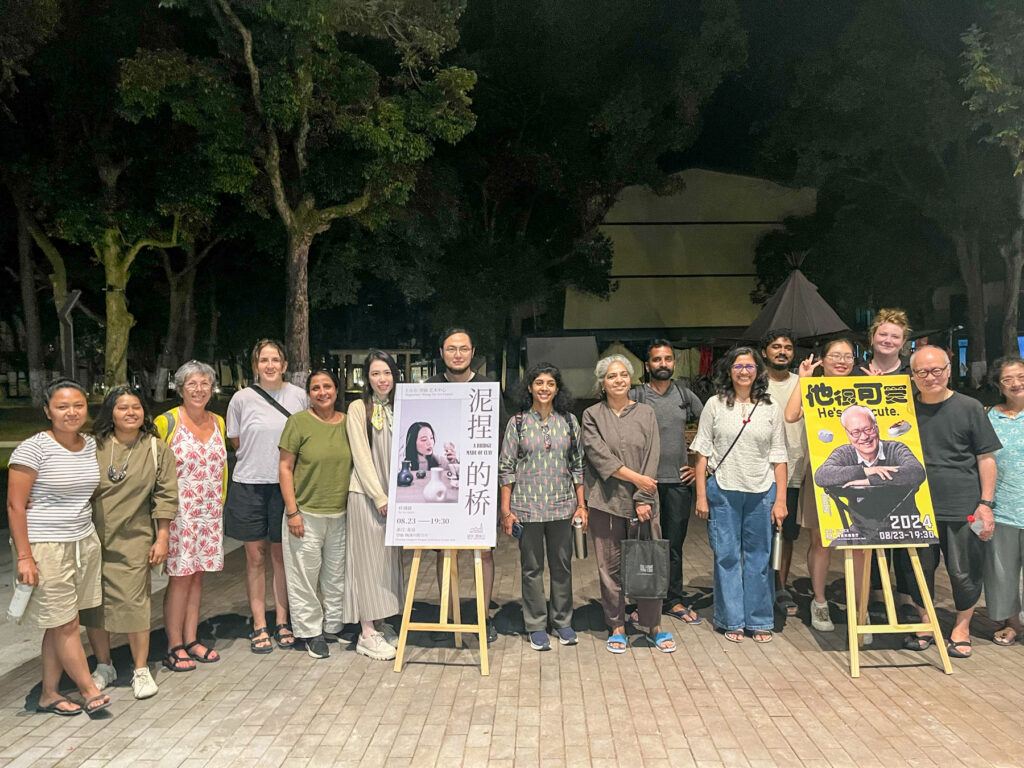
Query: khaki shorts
[[69, 581]]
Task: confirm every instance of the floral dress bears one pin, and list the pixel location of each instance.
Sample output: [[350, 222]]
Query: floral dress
[[197, 536]]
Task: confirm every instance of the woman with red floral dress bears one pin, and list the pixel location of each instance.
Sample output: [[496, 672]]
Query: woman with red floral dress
[[196, 543]]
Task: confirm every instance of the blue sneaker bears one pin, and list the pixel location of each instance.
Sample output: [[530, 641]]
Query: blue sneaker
[[539, 641], [567, 636]]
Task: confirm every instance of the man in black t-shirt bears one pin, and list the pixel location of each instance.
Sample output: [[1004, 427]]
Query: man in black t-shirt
[[959, 446], [457, 353]]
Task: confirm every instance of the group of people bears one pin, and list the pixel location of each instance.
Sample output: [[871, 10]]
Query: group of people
[[91, 514]]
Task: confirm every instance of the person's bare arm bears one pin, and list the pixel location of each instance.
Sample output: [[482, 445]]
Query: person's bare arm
[[286, 477], [701, 471], [987, 471], [19, 487]]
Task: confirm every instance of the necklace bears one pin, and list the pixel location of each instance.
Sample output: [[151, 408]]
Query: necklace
[[117, 475]]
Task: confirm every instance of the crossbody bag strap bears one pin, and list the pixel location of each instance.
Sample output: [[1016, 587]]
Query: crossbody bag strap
[[711, 472], [266, 396]]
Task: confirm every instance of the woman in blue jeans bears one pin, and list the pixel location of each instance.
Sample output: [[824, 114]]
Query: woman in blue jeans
[[741, 441]]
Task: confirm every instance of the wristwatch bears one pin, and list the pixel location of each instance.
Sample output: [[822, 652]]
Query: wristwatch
[[987, 503]]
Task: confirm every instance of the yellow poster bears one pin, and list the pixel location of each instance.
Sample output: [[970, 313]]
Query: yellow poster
[[867, 465]]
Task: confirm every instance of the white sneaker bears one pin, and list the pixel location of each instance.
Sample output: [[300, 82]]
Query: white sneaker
[[390, 636], [375, 647], [143, 684], [104, 675], [819, 617]]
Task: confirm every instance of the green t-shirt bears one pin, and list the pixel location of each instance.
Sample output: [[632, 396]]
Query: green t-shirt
[[323, 463]]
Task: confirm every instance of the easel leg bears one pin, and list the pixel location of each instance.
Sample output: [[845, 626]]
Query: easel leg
[[481, 612], [864, 587], [456, 601], [851, 614], [403, 636], [926, 598]]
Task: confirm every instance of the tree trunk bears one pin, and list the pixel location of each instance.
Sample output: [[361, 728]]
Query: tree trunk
[[968, 256], [30, 304], [1013, 263], [296, 319], [119, 320], [172, 343], [211, 344], [188, 314]]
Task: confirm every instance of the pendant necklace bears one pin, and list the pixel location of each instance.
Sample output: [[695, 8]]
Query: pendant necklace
[[117, 475], [743, 413]]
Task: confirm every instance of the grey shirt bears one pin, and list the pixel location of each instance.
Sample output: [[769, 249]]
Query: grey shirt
[[673, 410], [611, 442]]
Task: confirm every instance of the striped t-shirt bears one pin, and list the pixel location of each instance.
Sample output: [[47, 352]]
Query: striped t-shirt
[[65, 482]]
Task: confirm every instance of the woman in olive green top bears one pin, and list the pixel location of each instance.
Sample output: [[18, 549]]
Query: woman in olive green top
[[315, 467]]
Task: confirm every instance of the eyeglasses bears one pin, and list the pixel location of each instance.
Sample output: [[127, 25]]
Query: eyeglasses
[[924, 373], [194, 387], [1007, 380], [856, 434], [459, 350], [739, 367], [837, 358]]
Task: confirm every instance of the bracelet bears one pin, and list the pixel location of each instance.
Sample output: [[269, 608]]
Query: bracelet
[[25, 557], [503, 515], [290, 515]]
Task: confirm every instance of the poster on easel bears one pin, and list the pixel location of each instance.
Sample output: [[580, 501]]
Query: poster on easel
[[444, 466], [870, 486]]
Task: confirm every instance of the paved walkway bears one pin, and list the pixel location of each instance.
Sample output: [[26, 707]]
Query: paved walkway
[[712, 703]]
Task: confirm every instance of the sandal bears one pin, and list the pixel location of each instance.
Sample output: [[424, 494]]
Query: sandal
[[953, 649], [762, 636], [785, 601], [259, 641], [91, 710], [202, 658], [660, 641], [287, 640], [173, 661], [614, 641], [1005, 636], [734, 635], [685, 614], [918, 642], [54, 708]]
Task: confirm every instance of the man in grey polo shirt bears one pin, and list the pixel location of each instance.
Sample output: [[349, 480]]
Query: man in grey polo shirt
[[674, 407]]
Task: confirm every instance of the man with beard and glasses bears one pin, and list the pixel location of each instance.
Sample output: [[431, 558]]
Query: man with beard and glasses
[[457, 352], [778, 348], [674, 407]]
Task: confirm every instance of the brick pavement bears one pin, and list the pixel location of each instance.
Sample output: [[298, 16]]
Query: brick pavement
[[712, 703]]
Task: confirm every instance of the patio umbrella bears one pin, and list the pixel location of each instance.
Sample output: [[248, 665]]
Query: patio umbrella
[[797, 306]]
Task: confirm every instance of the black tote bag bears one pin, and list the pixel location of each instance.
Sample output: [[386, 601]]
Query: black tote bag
[[644, 567]]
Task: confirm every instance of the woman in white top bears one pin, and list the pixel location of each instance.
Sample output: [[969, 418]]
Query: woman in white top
[[741, 441], [374, 582], [56, 542], [254, 508]]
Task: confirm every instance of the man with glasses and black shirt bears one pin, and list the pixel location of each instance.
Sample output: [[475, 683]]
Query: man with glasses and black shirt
[[959, 445], [457, 353], [674, 407]]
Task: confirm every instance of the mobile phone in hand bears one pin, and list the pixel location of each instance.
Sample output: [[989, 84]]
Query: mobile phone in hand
[[517, 529]]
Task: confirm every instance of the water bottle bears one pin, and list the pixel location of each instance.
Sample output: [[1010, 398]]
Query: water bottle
[[579, 538], [22, 592], [776, 559], [976, 525]]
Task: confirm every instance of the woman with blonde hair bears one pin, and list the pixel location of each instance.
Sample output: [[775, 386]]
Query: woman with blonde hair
[[888, 335]]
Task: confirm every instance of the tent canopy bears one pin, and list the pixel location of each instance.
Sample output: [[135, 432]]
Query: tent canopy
[[797, 306]]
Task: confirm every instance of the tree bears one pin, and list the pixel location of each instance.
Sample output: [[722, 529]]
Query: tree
[[345, 102], [994, 80], [880, 113], [24, 26]]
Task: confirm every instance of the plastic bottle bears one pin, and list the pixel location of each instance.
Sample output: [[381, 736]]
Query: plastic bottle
[[22, 592], [976, 525]]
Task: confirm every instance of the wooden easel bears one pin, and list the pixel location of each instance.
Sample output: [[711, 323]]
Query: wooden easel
[[449, 586], [856, 613]]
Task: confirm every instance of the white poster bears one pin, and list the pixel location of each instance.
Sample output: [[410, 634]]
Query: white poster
[[444, 466]]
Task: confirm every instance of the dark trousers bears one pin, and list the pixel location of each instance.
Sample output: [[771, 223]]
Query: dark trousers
[[607, 532], [964, 554], [675, 519], [555, 538]]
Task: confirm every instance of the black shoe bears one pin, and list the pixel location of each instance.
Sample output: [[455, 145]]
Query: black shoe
[[332, 637], [317, 648], [492, 633]]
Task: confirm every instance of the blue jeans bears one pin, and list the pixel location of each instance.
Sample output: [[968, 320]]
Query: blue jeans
[[740, 532]]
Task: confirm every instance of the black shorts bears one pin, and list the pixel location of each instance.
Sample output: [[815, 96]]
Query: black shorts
[[790, 526], [253, 512]]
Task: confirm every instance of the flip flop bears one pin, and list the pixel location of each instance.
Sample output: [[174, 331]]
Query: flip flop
[[684, 614], [762, 636], [620, 639], [734, 635], [787, 605], [659, 639], [90, 710], [54, 708], [1003, 639], [953, 649], [918, 643]]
